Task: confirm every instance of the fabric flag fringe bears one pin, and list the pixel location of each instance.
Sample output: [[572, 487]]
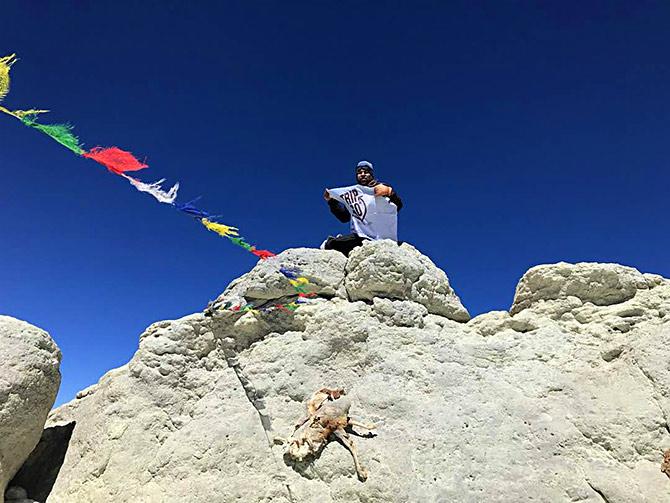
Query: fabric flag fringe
[[155, 189]]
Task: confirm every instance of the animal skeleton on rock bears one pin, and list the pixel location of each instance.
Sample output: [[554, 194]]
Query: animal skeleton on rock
[[327, 418]]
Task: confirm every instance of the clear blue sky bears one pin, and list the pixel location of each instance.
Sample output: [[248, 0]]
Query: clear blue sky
[[517, 133]]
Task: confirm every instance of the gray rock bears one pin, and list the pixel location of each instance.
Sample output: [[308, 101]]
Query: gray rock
[[29, 381], [560, 402], [15, 493], [600, 284], [384, 269], [323, 268]]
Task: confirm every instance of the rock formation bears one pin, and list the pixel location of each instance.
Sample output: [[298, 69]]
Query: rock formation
[[29, 381], [565, 398]]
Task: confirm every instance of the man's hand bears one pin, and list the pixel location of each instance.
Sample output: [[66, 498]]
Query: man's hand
[[383, 190], [326, 195]]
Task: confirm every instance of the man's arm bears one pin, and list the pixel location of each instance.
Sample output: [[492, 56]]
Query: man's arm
[[337, 208], [387, 191], [395, 199]]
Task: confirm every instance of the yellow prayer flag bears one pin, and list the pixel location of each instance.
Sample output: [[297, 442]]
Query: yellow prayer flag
[[5, 64], [299, 281], [220, 229]]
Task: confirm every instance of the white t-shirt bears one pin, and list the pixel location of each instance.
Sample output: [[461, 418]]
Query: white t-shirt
[[371, 217]]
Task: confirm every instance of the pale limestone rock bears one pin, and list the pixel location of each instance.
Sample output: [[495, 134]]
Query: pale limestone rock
[[599, 284], [323, 268], [401, 313], [164, 427], [384, 269], [558, 403], [29, 381]]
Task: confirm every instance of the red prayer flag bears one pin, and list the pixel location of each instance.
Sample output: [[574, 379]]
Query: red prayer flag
[[114, 159], [262, 254]]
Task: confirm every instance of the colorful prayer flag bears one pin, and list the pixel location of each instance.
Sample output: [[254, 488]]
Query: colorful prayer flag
[[6, 63], [155, 189], [222, 230], [263, 254], [62, 133], [241, 242], [190, 209], [114, 159]]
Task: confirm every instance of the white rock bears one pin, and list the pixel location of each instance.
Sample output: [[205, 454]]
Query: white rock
[[29, 381], [600, 284], [384, 269], [556, 403], [323, 268]]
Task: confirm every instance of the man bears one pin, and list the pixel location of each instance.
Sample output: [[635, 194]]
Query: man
[[370, 206]]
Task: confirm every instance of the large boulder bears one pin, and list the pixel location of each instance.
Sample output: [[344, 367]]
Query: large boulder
[[599, 284], [29, 381], [384, 269], [567, 400], [325, 269]]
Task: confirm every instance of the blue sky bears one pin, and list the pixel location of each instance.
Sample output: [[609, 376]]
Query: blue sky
[[517, 133]]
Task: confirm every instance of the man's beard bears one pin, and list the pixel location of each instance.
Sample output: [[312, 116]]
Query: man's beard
[[371, 183]]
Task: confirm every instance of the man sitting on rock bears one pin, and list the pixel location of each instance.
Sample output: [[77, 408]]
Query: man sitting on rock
[[370, 206]]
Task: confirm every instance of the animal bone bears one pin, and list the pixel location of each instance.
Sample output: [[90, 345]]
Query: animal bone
[[327, 417]]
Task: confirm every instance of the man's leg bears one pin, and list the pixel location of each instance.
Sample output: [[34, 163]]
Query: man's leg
[[343, 244]]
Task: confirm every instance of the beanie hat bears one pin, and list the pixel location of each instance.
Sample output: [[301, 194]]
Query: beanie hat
[[365, 165]]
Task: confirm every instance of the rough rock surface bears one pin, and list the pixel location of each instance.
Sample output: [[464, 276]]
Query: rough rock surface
[[29, 381], [384, 269], [568, 400], [602, 285]]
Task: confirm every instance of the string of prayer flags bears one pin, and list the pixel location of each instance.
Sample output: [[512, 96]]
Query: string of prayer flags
[[120, 162]]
